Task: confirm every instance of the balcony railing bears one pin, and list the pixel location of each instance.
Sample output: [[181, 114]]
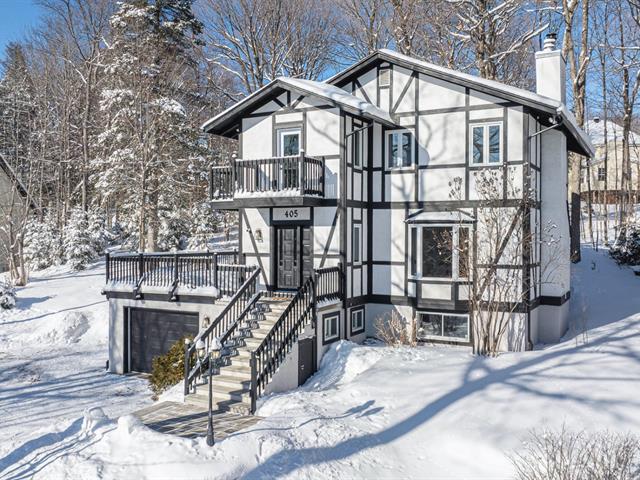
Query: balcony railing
[[299, 175], [193, 270], [329, 284]]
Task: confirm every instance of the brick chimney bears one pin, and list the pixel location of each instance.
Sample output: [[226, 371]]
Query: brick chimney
[[551, 70]]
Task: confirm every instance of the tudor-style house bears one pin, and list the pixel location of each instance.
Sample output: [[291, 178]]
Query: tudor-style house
[[342, 188]]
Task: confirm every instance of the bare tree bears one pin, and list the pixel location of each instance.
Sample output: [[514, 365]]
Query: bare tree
[[502, 239], [259, 40], [495, 32]]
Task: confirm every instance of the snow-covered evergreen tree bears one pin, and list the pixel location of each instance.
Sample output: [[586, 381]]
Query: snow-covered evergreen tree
[[204, 223], [97, 230], [43, 243], [148, 141], [174, 230], [77, 240]]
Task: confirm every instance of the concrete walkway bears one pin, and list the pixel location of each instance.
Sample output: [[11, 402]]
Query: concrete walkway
[[190, 421]]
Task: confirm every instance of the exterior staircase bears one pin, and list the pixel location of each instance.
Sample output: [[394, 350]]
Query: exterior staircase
[[232, 379]]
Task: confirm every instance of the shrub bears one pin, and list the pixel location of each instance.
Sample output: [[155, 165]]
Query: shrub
[[7, 295], [626, 249], [568, 455], [168, 369], [394, 330]]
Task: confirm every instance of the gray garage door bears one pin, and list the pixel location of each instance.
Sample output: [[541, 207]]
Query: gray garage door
[[152, 332]]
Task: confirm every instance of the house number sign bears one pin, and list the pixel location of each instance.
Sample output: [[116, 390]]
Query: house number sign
[[291, 214]]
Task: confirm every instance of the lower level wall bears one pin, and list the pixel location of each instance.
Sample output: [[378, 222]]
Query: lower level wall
[[551, 322], [116, 322]]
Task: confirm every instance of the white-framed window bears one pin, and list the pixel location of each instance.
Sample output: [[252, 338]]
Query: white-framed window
[[602, 174], [289, 142], [384, 77], [357, 148], [399, 149], [485, 143], [356, 240], [331, 323], [357, 320], [439, 252], [451, 327]]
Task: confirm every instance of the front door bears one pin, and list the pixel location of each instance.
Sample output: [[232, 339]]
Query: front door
[[288, 258]]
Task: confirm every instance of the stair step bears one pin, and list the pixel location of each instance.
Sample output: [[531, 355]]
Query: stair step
[[235, 406], [239, 371]]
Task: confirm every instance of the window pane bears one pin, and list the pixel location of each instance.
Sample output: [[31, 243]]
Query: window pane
[[494, 143], [356, 148], [356, 243], [436, 252], [406, 149], [414, 251], [463, 252], [430, 325], [393, 150], [455, 326], [478, 144], [290, 144]]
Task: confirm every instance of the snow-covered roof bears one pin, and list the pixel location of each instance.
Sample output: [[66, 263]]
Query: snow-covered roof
[[614, 133], [224, 122], [518, 95]]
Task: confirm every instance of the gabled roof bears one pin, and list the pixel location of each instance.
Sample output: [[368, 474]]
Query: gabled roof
[[578, 140], [225, 122]]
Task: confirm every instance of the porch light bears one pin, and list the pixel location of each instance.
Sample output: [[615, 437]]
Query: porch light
[[200, 349]]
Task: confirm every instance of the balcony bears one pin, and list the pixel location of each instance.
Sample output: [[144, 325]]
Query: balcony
[[275, 178]]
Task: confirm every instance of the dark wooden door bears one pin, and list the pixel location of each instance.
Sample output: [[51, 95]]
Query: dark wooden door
[[306, 359], [288, 258], [153, 332]]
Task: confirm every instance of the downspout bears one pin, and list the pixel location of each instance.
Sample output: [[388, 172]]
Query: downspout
[[558, 122]]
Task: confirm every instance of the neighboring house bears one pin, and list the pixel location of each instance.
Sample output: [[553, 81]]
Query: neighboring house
[[342, 187], [12, 198], [606, 174]]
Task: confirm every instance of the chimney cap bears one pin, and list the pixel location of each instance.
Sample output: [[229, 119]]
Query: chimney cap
[[549, 43]]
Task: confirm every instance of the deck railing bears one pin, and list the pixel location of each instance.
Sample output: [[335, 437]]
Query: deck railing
[[329, 284], [190, 269], [300, 174]]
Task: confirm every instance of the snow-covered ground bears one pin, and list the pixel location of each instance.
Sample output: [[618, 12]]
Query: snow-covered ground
[[370, 412]]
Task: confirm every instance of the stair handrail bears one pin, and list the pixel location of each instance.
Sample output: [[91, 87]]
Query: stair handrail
[[276, 345], [230, 315]]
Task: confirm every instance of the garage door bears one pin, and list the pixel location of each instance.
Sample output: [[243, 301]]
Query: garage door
[[152, 332]]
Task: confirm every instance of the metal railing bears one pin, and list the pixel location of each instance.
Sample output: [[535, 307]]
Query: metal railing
[[277, 344], [222, 327], [301, 174], [329, 283], [191, 269]]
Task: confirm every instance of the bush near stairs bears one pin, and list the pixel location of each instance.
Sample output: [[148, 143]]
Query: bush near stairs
[[168, 369]]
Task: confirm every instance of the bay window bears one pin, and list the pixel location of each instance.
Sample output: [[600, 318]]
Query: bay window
[[439, 251]]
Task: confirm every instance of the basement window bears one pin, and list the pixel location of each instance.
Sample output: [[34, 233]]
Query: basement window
[[443, 326], [357, 321], [331, 330]]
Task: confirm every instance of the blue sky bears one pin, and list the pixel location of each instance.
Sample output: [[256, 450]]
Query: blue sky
[[16, 18]]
